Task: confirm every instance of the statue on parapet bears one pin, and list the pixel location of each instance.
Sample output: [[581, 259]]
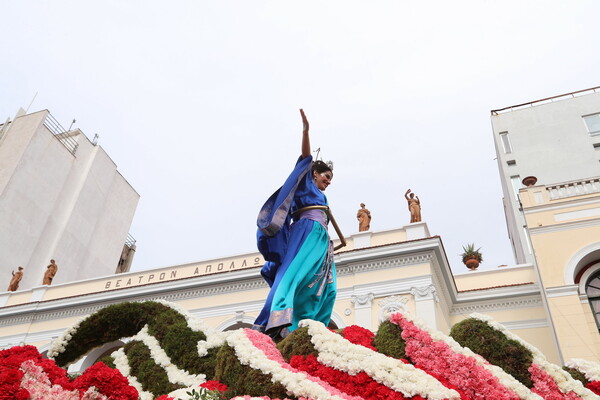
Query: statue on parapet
[[364, 218], [16, 278], [414, 206], [50, 272]]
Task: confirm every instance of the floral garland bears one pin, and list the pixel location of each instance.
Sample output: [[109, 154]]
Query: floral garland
[[336, 352], [442, 356], [258, 351], [565, 384]]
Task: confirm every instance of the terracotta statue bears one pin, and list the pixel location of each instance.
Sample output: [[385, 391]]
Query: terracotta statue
[[50, 272], [364, 218], [16, 278], [414, 206]]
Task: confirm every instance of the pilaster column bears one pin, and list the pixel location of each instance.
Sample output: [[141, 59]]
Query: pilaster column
[[425, 299], [363, 309]]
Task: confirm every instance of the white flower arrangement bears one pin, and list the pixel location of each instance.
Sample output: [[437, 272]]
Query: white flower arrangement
[[505, 379], [337, 352], [563, 379], [590, 369], [122, 364], [160, 357], [60, 343], [297, 383]]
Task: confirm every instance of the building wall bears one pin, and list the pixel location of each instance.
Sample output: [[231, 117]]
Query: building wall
[[555, 223], [75, 208]]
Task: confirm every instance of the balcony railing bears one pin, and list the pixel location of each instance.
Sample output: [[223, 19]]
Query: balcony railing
[[61, 134], [547, 100], [575, 188]]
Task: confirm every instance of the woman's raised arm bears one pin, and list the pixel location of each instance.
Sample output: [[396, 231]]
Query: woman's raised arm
[[305, 137]]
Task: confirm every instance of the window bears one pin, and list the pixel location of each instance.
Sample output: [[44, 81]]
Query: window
[[592, 122], [506, 142], [510, 163], [516, 184], [592, 289]]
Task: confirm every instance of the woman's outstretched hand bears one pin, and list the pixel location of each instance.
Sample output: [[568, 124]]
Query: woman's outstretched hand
[[305, 125], [305, 138]]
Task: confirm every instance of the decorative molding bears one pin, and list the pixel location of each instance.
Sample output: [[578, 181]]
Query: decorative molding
[[526, 324], [501, 305], [566, 226], [560, 291], [424, 293], [390, 305], [577, 261], [362, 301], [356, 267]]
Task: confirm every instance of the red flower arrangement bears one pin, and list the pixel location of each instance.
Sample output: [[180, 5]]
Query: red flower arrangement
[[594, 386], [361, 384], [214, 385], [108, 381], [358, 335]]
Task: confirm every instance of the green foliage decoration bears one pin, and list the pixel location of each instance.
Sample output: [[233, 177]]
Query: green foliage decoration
[[107, 325], [494, 346], [176, 338], [297, 343], [151, 376], [388, 340], [577, 374], [243, 380], [108, 360]]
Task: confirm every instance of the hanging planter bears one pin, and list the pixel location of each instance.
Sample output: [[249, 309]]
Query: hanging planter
[[471, 257]]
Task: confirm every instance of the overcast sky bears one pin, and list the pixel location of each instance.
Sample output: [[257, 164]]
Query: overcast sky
[[197, 103]]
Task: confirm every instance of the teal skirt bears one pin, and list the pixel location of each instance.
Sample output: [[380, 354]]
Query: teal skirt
[[307, 288]]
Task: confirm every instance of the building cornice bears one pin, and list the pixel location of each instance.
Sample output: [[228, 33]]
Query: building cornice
[[565, 226], [496, 305]]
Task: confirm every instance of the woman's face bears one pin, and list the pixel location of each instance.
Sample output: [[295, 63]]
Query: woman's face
[[323, 179]]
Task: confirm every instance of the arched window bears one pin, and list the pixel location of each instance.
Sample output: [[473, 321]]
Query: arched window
[[592, 289]]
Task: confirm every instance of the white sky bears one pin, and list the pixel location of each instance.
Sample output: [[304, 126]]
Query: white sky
[[197, 103]]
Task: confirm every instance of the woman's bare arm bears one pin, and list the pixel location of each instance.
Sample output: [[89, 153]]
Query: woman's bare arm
[[305, 137]]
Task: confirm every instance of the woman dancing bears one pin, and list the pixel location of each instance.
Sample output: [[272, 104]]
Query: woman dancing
[[299, 264]]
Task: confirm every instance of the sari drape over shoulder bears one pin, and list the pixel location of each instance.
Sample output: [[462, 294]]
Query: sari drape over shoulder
[[299, 264]]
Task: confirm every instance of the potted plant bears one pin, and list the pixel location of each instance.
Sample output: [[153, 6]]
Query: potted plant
[[471, 257]]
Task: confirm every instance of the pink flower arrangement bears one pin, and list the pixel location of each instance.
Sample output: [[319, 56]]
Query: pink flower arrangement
[[459, 370], [545, 386]]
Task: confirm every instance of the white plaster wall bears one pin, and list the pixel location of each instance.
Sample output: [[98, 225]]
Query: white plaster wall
[[75, 209], [549, 141]]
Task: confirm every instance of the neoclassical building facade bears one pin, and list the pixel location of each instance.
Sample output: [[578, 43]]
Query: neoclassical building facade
[[378, 272]]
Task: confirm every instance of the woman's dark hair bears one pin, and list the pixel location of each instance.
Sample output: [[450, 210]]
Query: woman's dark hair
[[319, 167]]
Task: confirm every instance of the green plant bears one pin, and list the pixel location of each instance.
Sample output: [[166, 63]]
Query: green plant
[[495, 347], [388, 340], [576, 374], [469, 251], [204, 394]]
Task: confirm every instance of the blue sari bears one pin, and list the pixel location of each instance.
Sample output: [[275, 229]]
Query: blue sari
[[299, 264]]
